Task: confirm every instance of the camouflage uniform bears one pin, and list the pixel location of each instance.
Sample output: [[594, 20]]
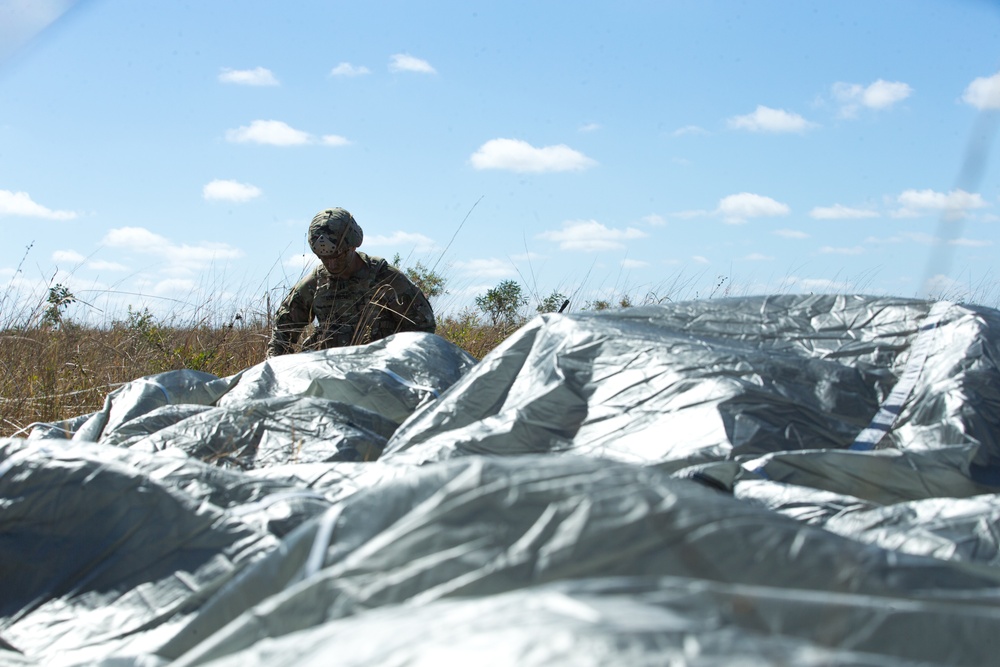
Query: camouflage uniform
[[377, 301]]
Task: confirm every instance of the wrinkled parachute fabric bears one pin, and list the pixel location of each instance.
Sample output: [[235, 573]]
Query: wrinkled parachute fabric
[[809, 480], [340, 404]]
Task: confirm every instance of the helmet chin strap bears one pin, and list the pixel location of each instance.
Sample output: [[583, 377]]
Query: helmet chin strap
[[343, 235]]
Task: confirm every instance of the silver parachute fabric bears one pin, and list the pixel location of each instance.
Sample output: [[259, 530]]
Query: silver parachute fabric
[[808, 480]]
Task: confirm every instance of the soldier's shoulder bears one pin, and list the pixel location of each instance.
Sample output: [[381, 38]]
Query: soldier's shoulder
[[311, 277], [381, 269], [374, 263]]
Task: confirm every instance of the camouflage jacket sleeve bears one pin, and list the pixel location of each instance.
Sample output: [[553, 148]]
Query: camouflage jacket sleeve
[[293, 315], [397, 305]]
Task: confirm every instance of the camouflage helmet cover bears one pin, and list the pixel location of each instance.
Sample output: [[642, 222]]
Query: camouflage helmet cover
[[332, 229]]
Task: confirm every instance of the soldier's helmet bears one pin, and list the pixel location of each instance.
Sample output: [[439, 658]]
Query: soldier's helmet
[[332, 230]]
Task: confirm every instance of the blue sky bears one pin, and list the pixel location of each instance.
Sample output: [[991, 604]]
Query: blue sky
[[170, 155]]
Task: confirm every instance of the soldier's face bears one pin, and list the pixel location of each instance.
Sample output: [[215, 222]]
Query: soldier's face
[[341, 263]]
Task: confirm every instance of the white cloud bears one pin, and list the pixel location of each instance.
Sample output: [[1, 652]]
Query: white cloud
[[175, 287], [223, 190], [408, 240], [590, 127], [881, 94], [259, 76], [347, 69], [591, 236], [971, 243], [19, 204], [736, 209], [758, 257], [890, 239], [688, 215], [689, 129], [634, 264], [486, 268], [790, 233], [404, 62], [765, 119], [102, 265], [841, 212], [134, 238], [67, 257], [299, 262], [830, 250], [954, 204], [202, 254], [334, 140], [699, 259], [279, 133], [528, 256], [984, 92], [922, 238], [271, 132], [654, 220], [180, 258], [520, 156]]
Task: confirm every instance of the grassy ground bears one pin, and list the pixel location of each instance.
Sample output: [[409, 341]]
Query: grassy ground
[[49, 373], [52, 368]]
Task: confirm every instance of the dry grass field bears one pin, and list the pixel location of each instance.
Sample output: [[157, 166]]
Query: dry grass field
[[55, 370]]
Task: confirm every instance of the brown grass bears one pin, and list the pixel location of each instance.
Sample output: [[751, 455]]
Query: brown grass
[[50, 373], [54, 370]]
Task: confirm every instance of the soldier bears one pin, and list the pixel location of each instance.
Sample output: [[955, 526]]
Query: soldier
[[354, 298]]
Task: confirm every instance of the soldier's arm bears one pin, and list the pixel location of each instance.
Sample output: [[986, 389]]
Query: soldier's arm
[[293, 315], [420, 314], [396, 305], [415, 313]]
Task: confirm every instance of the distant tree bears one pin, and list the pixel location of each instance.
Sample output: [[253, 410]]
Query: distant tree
[[430, 282], [598, 305], [624, 301], [141, 325], [59, 299], [553, 303], [503, 303]]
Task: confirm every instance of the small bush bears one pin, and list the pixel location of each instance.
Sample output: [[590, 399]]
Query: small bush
[[502, 305], [553, 303]]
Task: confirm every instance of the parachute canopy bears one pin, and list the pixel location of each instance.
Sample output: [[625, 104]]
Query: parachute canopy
[[784, 479]]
